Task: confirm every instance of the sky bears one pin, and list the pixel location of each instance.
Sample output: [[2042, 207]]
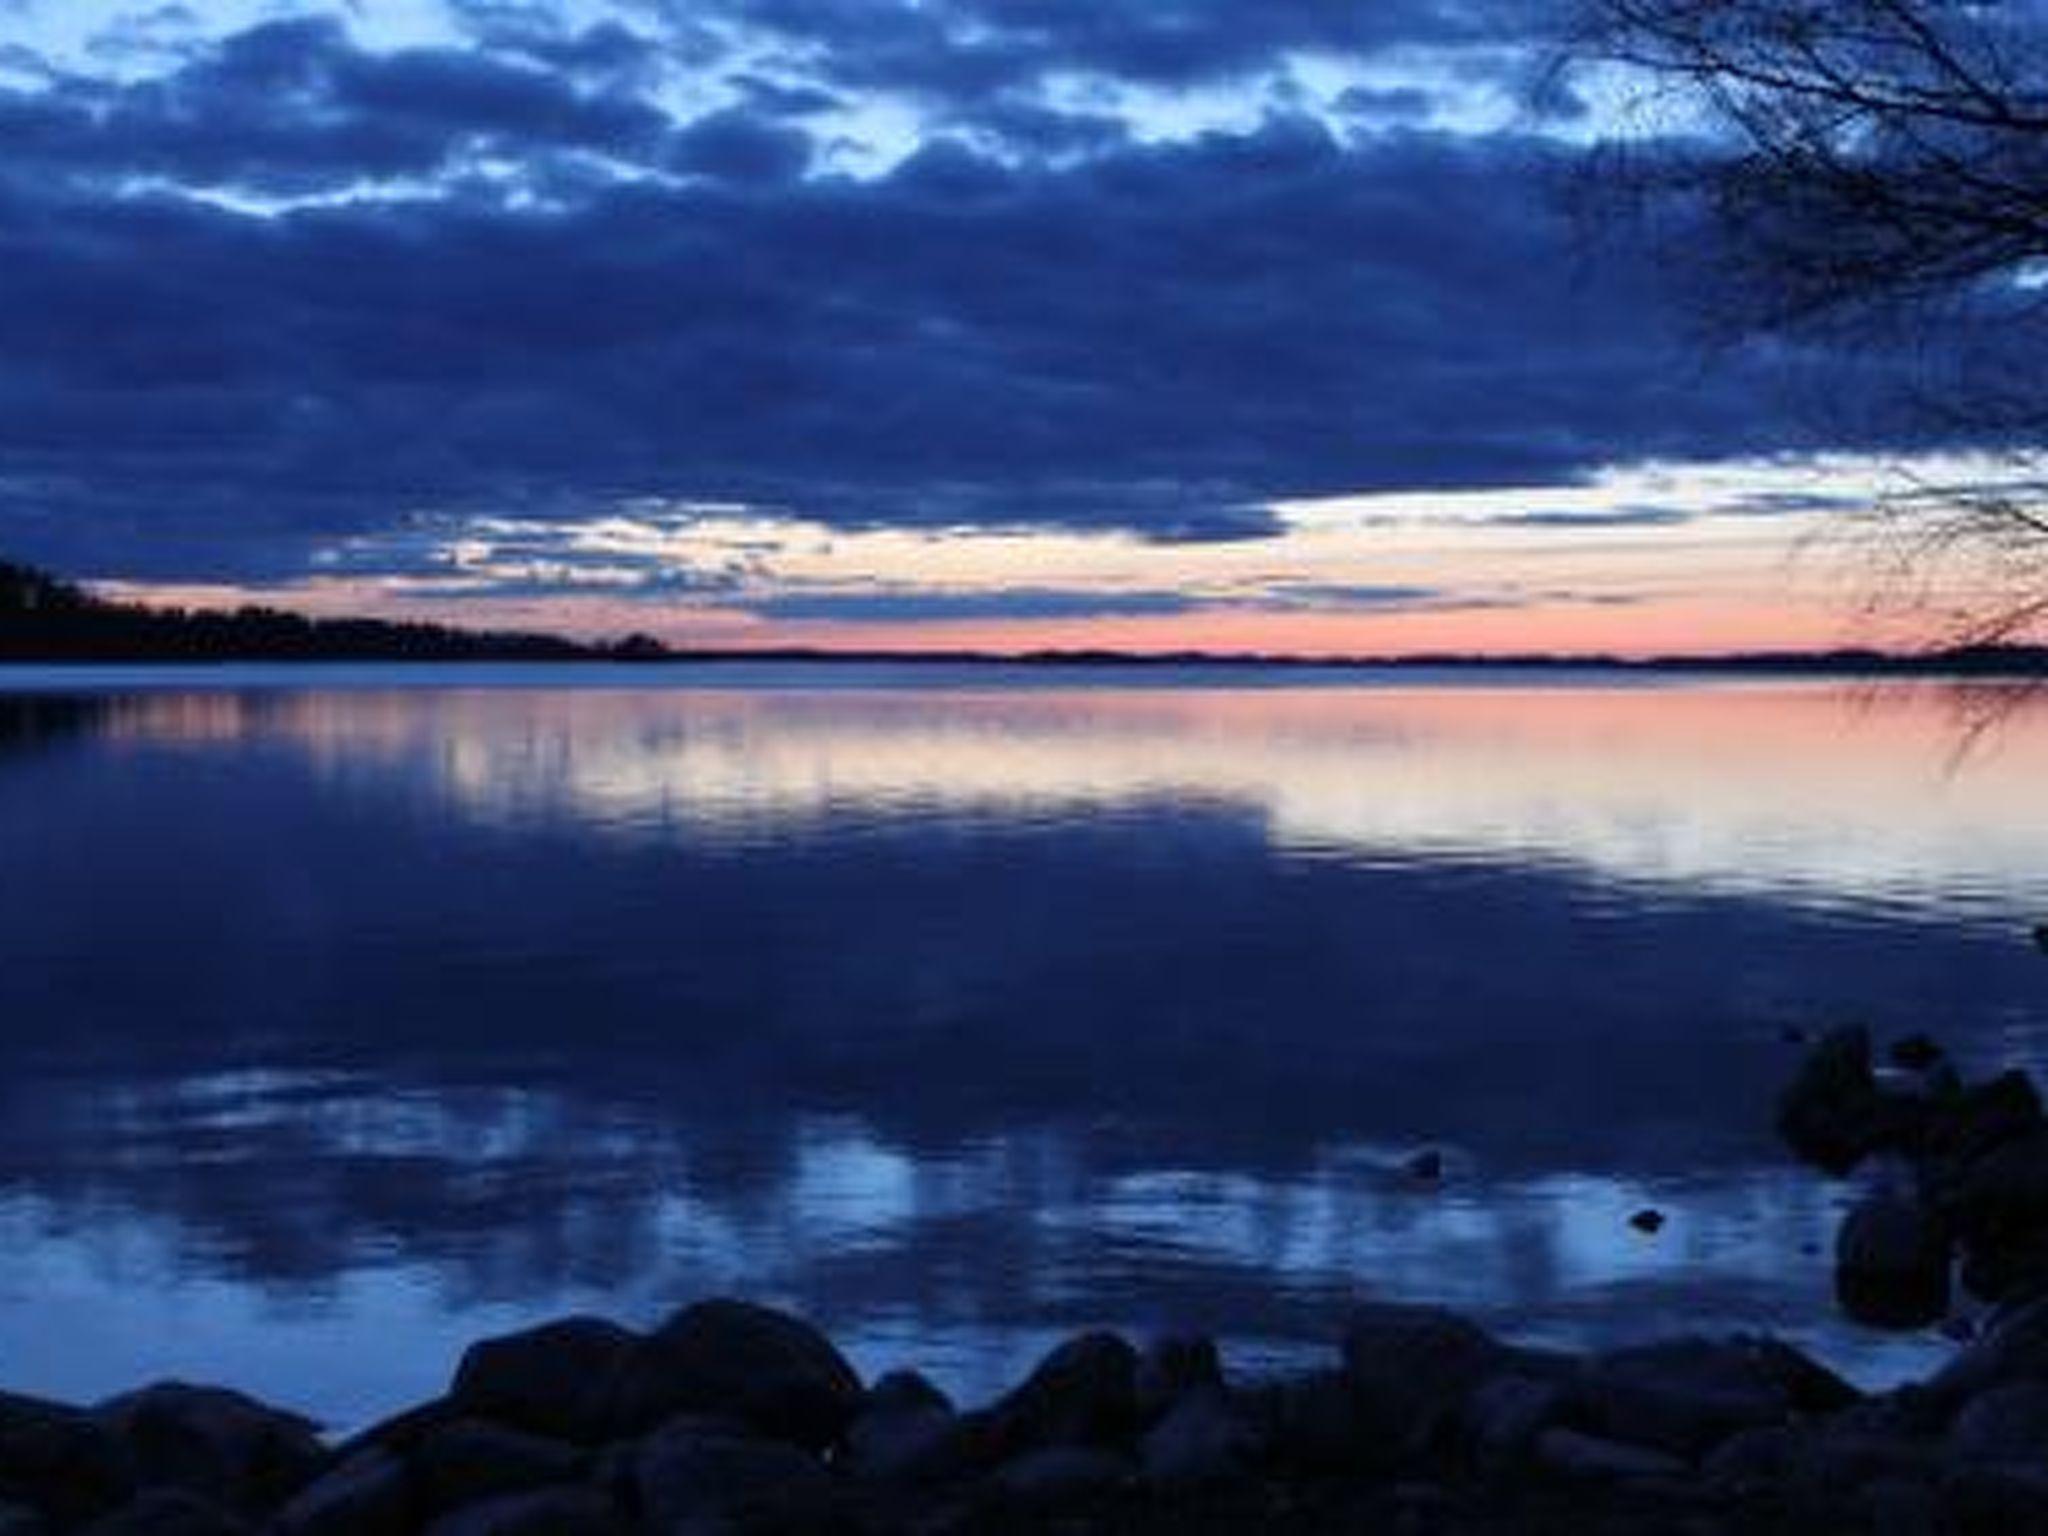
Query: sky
[[896, 323]]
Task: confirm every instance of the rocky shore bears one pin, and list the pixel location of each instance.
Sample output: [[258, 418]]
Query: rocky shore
[[732, 1417]]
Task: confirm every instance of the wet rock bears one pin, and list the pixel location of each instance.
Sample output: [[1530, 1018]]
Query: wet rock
[[1057, 1475], [1648, 1220], [60, 1461], [367, 1495], [2006, 1424], [1892, 1263], [1685, 1396], [687, 1472], [472, 1460], [1409, 1369], [556, 1379], [543, 1512], [1172, 1366], [1505, 1414], [1083, 1393], [169, 1512], [772, 1371], [1202, 1440], [1833, 1114], [232, 1450], [1570, 1453]]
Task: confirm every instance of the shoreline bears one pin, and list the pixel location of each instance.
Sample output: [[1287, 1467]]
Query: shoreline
[[736, 1417]]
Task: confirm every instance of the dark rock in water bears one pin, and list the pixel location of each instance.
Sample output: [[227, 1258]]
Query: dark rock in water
[[367, 1495], [772, 1371], [1172, 1366], [2013, 1347], [1647, 1220], [2000, 1205], [1084, 1393], [2041, 937], [170, 1512], [60, 1461], [1833, 1114], [1410, 1368], [1915, 1053], [685, 1473], [546, 1512], [230, 1449], [1977, 1120], [1201, 1441], [1426, 1166], [1572, 1454], [1892, 1263], [473, 1460], [1056, 1475], [557, 1379]]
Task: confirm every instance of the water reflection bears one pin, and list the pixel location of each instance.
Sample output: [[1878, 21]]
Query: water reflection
[[954, 1016]]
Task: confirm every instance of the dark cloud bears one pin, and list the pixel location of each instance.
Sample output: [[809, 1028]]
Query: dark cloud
[[1606, 517], [1158, 337], [928, 605]]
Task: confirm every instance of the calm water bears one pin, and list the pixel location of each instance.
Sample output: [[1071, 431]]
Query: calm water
[[348, 1019]]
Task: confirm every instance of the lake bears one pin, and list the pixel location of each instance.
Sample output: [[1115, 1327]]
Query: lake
[[353, 1012]]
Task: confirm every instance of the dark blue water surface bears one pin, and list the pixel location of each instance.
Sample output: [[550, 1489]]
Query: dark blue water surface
[[351, 1013]]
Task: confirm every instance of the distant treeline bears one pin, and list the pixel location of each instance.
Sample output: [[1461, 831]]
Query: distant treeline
[[44, 619]]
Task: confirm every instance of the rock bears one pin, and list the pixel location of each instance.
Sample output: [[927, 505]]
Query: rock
[[60, 1461], [169, 1512], [905, 1390], [2000, 1209], [472, 1460], [1173, 1365], [544, 1512], [1202, 1440], [1685, 1396], [1572, 1454], [1916, 1053], [1061, 1474], [2041, 937], [771, 1371], [20, 1520], [1976, 1120], [1409, 1369], [1833, 1115], [2013, 1347], [2006, 1424], [1312, 1424], [689, 1472], [1503, 1416], [556, 1379], [1647, 1220], [400, 1432], [904, 1439], [1993, 1500], [232, 1450], [1083, 1393], [1892, 1264], [1426, 1167], [367, 1495]]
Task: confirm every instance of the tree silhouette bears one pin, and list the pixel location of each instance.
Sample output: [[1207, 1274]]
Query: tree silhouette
[[1873, 165]]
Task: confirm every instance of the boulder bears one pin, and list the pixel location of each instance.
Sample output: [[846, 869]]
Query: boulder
[[542, 1512], [1409, 1370], [2013, 1348], [230, 1449], [1892, 1263], [1083, 1393], [1202, 1440], [904, 1438], [20, 1520], [904, 1390], [1311, 1423], [1685, 1396], [60, 1461], [1570, 1453], [369, 1494], [1503, 1416], [169, 1512], [1055, 1475], [1833, 1114], [556, 1379], [689, 1471], [1172, 1365], [472, 1460], [2007, 1424], [764, 1368], [2000, 1206], [1978, 1119]]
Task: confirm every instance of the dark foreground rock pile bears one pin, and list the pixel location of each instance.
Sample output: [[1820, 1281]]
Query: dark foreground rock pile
[[736, 1418]]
